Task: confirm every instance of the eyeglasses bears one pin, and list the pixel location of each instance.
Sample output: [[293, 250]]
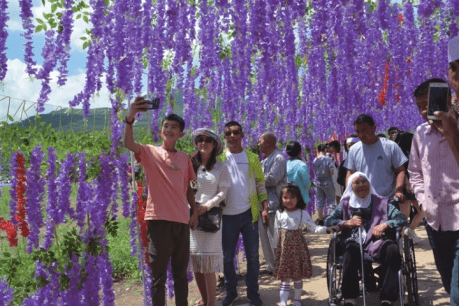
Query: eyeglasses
[[234, 132], [200, 139]]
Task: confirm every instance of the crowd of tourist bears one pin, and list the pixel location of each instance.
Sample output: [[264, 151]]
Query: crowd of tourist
[[266, 201]]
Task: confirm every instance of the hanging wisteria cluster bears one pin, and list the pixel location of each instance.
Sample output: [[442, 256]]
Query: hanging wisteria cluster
[[304, 69]]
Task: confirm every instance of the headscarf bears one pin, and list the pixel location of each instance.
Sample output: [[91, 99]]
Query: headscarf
[[354, 200], [210, 133]]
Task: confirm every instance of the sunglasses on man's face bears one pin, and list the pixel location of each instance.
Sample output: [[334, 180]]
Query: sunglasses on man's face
[[200, 139], [235, 133]]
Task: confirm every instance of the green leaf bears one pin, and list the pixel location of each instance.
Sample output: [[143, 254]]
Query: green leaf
[[86, 19], [38, 28], [40, 21], [78, 16], [10, 118], [85, 45], [83, 38]]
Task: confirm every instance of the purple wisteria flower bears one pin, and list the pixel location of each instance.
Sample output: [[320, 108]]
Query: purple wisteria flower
[[72, 297], [90, 291], [83, 193], [3, 37], [27, 24], [63, 42], [13, 193], [103, 197], [65, 189], [106, 281], [50, 61], [124, 183], [34, 196], [49, 293], [6, 293], [52, 206]]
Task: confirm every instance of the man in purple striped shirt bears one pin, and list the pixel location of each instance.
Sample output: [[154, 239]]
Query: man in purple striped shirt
[[434, 177]]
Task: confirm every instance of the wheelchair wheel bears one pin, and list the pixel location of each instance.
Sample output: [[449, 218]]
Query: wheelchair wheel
[[411, 276], [333, 276]]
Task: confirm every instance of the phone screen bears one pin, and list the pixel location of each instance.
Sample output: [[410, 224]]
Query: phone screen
[[438, 96], [153, 103]]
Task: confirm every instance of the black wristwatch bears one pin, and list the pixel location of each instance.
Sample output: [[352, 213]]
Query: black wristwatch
[[128, 122]]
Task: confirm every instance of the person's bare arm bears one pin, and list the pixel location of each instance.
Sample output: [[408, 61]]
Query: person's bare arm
[[192, 201], [400, 183], [348, 174], [136, 106], [264, 212], [447, 126]]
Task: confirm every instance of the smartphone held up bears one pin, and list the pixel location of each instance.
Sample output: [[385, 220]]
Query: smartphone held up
[[438, 99], [152, 103]]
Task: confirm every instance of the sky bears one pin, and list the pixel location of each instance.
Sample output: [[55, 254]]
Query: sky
[[17, 86]]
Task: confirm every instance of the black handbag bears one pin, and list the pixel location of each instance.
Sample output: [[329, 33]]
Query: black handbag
[[211, 220]]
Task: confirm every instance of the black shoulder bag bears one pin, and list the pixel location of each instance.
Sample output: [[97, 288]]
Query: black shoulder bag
[[211, 220]]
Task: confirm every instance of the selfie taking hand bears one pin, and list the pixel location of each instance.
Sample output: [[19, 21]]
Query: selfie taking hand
[[447, 124]]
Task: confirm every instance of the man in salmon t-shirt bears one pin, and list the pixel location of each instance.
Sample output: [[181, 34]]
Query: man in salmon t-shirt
[[168, 174]]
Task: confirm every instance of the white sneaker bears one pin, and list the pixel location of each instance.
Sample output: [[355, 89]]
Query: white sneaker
[[415, 237], [411, 234]]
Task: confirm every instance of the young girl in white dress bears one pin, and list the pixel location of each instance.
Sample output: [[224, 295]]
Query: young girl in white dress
[[292, 255]]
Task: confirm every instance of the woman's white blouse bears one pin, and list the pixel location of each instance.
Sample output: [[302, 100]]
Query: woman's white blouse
[[212, 185]]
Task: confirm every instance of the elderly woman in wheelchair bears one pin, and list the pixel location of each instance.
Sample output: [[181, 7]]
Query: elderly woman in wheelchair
[[365, 220]]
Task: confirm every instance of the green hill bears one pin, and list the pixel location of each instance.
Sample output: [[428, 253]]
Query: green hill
[[66, 119]]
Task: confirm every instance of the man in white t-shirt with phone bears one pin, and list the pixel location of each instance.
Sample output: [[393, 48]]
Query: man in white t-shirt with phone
[[241, 213]]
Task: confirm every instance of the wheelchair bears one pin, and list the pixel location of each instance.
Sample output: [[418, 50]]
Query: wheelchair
[[407, 276]]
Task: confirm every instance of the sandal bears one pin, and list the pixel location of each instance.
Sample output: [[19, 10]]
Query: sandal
[[201, 303]]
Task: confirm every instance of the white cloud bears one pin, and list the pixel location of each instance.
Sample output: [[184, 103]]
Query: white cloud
[[15, 23], [18, 85]]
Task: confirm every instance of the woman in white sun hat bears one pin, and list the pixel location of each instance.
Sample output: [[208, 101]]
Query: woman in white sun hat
[[206, 255]]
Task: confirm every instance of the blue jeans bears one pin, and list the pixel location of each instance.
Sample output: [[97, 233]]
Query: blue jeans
[[231, 227], [445, 246]]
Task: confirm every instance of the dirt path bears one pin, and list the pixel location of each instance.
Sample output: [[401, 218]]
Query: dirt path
[[314, 289]]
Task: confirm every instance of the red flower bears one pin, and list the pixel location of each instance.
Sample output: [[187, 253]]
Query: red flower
[[401, 19], [383, 93], [10, 232], [141, 208], [20, 196]]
